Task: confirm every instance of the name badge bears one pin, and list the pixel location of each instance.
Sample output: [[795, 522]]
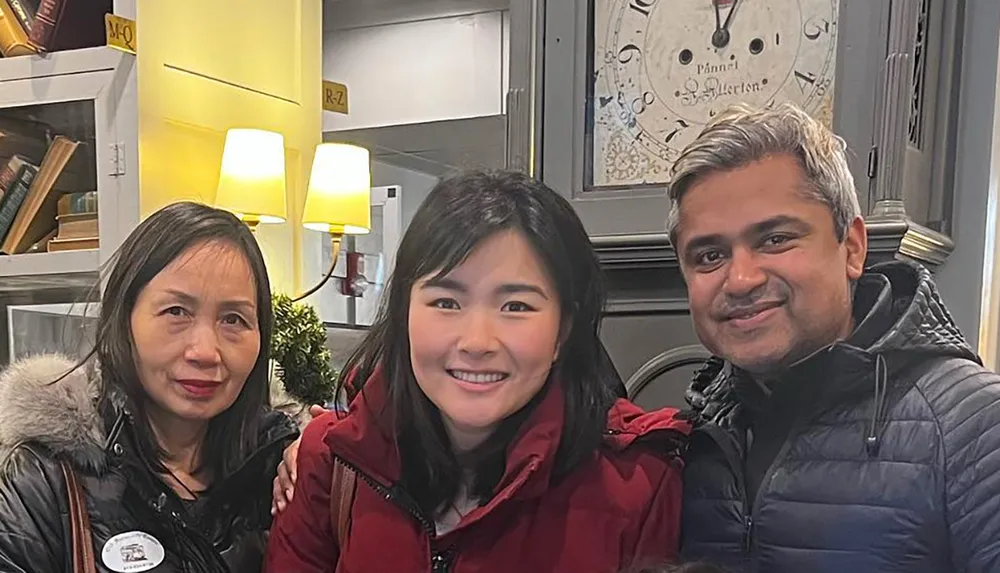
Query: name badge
[[132, 551]]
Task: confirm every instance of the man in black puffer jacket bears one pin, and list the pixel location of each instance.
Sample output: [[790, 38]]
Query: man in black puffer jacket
[[845, 425]]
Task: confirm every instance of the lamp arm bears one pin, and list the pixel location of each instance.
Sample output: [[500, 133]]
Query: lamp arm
[[334, 255]]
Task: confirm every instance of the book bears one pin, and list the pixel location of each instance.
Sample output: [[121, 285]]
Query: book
[[37, 215], [14, 198], [13, 35], [57, 244], [25, 10], [69, 24], [10, 172]]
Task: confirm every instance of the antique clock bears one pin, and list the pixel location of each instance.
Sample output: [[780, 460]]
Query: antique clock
[[662, 69], [629, 83]]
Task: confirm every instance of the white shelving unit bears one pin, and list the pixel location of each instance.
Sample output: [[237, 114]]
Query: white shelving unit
[[93, 92], [65, 269]]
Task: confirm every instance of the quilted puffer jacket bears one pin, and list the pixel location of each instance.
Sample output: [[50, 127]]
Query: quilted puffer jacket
[[137, 522], [891, 463]]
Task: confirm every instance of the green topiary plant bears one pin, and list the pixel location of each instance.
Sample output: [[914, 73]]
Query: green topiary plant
[[300, 353]]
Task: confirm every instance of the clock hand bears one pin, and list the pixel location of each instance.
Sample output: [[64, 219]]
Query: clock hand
[[729, 17], [720, 37]]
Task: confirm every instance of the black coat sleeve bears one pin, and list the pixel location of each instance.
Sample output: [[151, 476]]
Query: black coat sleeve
[[970, 426], [32, 514]]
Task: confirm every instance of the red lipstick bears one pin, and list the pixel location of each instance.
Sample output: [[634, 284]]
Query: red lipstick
[[200, 388]]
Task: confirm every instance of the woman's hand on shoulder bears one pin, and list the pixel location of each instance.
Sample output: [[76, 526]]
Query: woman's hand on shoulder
[[284, 482]]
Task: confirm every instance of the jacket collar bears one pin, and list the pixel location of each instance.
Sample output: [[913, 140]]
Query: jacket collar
[[46, 401], [900, 319], [365, 438], [842, 368]]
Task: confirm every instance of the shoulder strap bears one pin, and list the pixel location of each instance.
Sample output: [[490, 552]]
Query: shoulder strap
[[342, 489], [81, 543]]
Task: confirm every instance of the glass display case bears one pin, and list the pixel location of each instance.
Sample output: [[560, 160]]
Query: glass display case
[[67, 328]]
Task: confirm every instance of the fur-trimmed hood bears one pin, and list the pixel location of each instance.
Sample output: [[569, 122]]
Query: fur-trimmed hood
[[45, 401]]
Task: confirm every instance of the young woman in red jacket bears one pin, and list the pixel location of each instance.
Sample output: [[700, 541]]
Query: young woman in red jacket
[[483, 435]]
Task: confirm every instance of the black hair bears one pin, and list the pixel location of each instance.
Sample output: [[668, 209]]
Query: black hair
[[457, 216], [152, 246]]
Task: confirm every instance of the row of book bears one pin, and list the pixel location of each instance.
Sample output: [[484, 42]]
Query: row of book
[[33, 26], [47, 197]]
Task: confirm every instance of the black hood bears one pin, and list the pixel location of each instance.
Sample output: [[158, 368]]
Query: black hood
[[922, 323], [901, 321]]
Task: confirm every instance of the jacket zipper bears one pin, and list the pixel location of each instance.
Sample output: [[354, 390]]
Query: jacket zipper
[[181, 527], [747, 533], [441, 561], [730, 452], [765, 483]]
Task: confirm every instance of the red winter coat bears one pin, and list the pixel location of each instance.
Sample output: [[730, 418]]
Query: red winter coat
[[625, 503]]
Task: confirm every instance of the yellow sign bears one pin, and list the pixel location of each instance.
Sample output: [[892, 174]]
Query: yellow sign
[[120, 33], [334, 97]]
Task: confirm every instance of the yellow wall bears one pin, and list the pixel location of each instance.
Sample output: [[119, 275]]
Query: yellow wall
[[240, 63]]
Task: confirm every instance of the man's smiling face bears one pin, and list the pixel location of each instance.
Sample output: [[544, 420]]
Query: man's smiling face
[[768, 278]]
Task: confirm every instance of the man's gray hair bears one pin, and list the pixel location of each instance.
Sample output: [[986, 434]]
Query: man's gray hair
[[742, 134]]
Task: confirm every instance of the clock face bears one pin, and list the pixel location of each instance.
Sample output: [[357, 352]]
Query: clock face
[[664, 68]]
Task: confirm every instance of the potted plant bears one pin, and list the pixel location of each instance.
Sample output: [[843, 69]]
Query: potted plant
[[301, 374]]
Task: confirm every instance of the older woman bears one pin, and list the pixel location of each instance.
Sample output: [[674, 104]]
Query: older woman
[[164, 449]]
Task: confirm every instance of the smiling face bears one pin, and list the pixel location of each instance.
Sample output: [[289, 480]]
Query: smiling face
[[195, 333], [768, 280], [483, 337]]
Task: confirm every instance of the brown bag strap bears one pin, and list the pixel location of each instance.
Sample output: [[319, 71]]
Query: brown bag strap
[[342, 489], [82, 546]]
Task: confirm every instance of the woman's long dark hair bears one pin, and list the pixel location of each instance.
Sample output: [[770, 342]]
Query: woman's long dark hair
[[458, 215], [154, 244]]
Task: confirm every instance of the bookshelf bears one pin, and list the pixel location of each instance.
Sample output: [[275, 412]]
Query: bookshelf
[[89, 95], [80, 61], [150, 143], [38, 271]]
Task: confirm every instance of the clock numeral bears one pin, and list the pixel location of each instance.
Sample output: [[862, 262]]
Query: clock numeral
[[642, 6], [805, 79], [681, 124], [822, 86], [815, 27], [808, 80], [627, 52], [640, 104]]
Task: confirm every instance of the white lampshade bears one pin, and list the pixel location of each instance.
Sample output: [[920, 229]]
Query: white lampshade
[[252, 178], [339, 197]]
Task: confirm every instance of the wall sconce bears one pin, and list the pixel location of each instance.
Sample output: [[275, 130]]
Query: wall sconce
[[338, 200], [252, 177]]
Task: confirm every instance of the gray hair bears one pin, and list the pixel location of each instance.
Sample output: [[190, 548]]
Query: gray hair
[[742, 134]]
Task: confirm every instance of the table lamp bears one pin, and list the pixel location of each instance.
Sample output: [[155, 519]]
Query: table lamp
[[338, 200], [252, 177]]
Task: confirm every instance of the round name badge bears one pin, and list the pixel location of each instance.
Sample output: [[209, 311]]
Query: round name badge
[[132, 551]]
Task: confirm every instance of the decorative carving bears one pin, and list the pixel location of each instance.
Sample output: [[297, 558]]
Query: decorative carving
[[889, 221], [916, 127]]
